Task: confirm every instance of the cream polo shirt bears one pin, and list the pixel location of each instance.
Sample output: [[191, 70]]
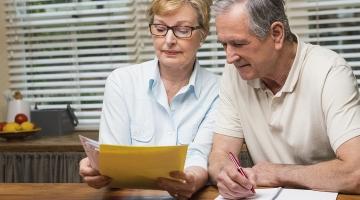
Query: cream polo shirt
[[315, 112]]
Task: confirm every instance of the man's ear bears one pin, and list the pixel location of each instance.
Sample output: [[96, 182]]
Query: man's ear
[[277, 33]]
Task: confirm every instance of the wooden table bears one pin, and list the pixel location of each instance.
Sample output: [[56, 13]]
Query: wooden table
[[79, 191]]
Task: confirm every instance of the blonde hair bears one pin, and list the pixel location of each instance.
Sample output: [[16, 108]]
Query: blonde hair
[[202, 7]]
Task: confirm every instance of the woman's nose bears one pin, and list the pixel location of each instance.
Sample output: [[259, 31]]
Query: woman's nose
[[170, 38]]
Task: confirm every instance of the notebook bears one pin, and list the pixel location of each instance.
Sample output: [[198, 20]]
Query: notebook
[[286, 194]]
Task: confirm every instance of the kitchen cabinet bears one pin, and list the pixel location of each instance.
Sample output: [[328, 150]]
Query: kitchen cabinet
[[48, 159]]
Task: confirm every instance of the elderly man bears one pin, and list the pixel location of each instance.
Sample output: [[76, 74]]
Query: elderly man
[[295, 104]]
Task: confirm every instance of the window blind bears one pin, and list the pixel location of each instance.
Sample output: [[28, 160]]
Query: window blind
[[61, 51], [334, 24]]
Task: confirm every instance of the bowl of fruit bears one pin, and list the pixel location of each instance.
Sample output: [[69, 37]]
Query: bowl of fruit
[[18, 129]]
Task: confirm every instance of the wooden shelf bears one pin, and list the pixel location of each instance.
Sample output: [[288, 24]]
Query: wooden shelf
[[65, 143]]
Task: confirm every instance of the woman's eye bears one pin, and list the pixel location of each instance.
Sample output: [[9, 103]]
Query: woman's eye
[[182, 29], [160, 29]]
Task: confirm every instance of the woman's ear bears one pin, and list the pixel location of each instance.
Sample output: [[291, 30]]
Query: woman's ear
[[203, 36], [202, 41], [277, 32]]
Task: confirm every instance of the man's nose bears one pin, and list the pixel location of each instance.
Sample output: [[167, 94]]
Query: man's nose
[[231, 54]]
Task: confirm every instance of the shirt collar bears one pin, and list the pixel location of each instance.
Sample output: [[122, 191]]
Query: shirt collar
[[194, 82], [296, 67], [153, 74], [154, 77]]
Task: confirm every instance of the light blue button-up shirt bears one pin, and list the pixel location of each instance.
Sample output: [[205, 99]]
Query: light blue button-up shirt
[[136, 111]]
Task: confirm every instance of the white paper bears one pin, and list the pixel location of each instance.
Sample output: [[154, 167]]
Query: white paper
[[261, 194], [91, 148], [298, 194], [286, 194]]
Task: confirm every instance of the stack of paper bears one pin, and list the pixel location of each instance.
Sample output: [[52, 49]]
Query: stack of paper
[[261, 194], [91, 148], [134, 166], [286, 194], [298, 194]]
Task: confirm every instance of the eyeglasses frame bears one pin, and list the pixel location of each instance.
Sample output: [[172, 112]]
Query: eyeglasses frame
[[172, 29]]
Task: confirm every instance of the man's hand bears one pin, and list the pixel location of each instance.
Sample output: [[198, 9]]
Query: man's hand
[[91, 176], [232, 185], [267, 174], [187, 182]]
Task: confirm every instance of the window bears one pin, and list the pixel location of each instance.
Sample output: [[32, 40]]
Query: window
[[61, 51], [334, 24]]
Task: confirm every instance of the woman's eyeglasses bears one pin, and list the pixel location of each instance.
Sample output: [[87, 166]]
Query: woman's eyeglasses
[[178, 31]]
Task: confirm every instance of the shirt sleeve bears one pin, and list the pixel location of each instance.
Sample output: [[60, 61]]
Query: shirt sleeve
[[114, 122], [199, 150], [341, 104], [227, 116]]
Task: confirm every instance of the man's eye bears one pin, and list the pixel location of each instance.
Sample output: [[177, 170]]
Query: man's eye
[[237, 44]]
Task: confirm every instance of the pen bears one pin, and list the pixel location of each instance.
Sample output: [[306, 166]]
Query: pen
[[238, 167]]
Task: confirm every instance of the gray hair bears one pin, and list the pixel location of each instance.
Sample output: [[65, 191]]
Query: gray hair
[[262, 14]]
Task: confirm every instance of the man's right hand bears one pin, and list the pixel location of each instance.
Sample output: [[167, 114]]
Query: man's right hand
[[91, 176], [232, 185]]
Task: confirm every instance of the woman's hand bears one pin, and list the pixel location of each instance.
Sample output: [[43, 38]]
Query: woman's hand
[[185, 183], [91, 176]]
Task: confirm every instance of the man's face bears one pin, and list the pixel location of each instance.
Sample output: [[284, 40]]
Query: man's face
[[252, 57]]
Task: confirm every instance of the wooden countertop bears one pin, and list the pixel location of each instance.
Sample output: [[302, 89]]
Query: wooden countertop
[[80, 191], [65, 143]]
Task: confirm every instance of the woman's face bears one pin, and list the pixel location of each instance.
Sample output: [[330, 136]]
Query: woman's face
[[174, 52]]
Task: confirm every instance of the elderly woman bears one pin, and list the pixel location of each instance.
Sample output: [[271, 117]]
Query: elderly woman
[[166, 101]]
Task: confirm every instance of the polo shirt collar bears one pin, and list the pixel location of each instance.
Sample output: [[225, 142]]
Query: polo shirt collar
[[296, 67]]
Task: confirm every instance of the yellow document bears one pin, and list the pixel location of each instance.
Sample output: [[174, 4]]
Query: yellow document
[[139, 167]]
